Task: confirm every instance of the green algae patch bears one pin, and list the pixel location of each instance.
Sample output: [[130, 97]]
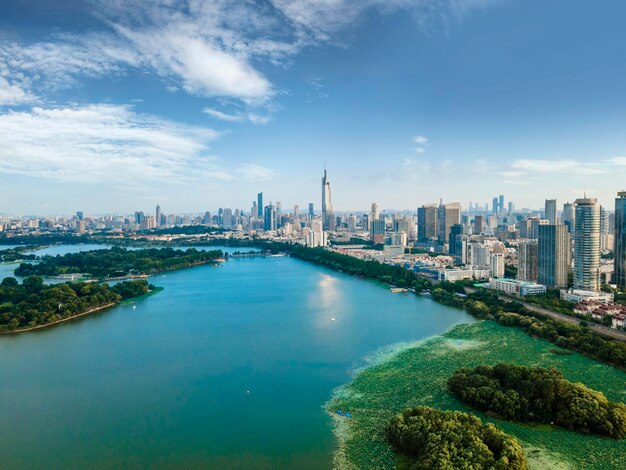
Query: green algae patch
[[418, 376]]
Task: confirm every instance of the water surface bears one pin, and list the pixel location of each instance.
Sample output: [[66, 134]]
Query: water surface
[[228, 367]]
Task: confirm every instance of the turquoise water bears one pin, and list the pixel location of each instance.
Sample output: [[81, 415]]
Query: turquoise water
[[227, 367]]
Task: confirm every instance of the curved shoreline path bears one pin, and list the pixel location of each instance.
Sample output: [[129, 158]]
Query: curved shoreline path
[[228, 367]]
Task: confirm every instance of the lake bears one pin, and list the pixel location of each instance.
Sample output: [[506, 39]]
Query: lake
[[227, 367]]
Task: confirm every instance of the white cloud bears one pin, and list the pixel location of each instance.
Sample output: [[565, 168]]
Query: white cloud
[[108, 144], [11, 94], [223, 116], [565, 166], [420, 140], [252, 117], [419, 150], [211, 48]]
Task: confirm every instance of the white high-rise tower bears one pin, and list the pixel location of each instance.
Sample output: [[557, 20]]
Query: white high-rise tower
[[327, 205]]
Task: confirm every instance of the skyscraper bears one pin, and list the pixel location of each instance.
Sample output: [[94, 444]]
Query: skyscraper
[[479, 224], [495, 204], [569, 216], [377, 230], [447, 216], [427, 222], [259, 205], [375, 212], [269, 222], [587, 244], [553, 255], [550, 211], [620, 239], [327, 205], [158, 215], [527, 259], [311, 210], [455, 230], [501, 204]]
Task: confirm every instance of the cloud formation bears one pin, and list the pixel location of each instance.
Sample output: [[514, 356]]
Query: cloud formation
[[110, 144], [209, 48]]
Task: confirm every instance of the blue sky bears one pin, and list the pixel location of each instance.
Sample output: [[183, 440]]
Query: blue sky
[[113, 106]]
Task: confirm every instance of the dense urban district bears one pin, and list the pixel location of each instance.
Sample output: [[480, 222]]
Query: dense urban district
[[556, 276]]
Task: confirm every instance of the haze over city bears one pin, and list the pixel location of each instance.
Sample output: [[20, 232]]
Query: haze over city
[[109, 107]]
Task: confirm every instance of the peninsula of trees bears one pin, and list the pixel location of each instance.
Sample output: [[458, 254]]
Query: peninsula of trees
[[118, 262], [429, 438], [534, 394], [32, 303]]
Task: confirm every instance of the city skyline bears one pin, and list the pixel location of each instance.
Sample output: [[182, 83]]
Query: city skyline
[[189, 105]]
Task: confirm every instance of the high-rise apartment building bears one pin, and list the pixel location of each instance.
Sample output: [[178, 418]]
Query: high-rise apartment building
[[553, 255], [527, 260], [327, 204], [620, 239], [496, 265], [550, 211], [587, 244], [480, 256]]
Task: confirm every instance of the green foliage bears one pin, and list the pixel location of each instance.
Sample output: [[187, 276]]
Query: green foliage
[[552, 301], [510, 271], [118, 262], [388, 274], [434, 439], [33, 304], [535, 394], [11, 255], [485, 304], [416, 374]]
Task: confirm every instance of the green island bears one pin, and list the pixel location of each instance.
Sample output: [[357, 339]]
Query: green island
[[417, 375], [118, 262], [32, 304], [535, 394], [426, 438]]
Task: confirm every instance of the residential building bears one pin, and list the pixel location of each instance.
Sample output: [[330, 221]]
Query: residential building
[[553, 255], [587, 245], [527, 260]]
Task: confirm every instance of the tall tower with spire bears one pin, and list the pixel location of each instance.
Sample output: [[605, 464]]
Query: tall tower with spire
[[327, 205]]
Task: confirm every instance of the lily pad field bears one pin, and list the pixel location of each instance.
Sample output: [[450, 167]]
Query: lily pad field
[[417, 374]]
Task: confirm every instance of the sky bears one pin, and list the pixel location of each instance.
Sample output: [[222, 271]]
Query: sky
[[112, 106]]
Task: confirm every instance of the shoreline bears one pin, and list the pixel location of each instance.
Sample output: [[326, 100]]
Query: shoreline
[[56, 322], [156, 290]]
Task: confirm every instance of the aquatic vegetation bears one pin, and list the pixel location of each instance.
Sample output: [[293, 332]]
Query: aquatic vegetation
[[418, 376]]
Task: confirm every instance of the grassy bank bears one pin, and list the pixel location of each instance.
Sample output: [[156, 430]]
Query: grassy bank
[[418, 376]]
